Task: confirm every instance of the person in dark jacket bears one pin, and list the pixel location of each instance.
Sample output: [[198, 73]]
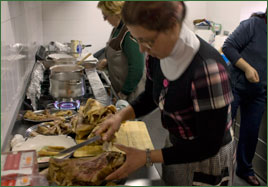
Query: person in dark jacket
[[246, 48], [187, 80]]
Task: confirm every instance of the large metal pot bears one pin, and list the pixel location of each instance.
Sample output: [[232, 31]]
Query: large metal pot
[[67, 68], [67, 85]]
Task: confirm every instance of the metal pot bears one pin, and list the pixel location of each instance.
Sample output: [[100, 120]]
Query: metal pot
[[67, 85], [65, 68]]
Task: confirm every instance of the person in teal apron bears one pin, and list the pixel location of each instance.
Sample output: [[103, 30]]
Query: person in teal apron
[[124, 61]]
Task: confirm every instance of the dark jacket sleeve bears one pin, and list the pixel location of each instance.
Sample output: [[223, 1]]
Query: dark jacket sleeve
[[236, 42], [144, 103], [212, 125]]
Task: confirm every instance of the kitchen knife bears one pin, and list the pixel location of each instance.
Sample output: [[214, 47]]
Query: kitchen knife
[[73, 148]]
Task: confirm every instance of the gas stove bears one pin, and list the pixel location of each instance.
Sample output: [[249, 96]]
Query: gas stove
[[46, 101]]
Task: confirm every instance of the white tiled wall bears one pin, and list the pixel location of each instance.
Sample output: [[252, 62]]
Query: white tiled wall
[[21, 23]]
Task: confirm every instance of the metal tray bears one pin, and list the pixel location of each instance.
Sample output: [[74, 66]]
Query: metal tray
[[49, 119], [31, 132]]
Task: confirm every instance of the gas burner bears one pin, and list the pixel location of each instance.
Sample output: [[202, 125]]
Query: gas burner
[[67, 105]]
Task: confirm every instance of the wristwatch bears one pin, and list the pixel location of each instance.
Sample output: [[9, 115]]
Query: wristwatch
[[148, 158]]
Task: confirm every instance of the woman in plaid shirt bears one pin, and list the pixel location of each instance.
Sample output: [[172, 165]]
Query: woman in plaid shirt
[[187, 79]]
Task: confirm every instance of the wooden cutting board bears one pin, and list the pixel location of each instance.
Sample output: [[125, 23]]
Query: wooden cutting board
[[131, 134], [134, 134]]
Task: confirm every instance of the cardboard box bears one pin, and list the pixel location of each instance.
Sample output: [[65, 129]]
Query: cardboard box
[[19, 168]]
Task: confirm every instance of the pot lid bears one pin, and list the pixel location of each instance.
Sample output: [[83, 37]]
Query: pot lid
[[57, 56], [66, 68]]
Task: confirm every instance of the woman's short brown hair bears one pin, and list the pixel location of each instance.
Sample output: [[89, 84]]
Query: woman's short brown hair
[[111, 7], [153, 15]]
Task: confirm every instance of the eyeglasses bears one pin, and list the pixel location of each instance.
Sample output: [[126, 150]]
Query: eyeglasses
[[146, 43]]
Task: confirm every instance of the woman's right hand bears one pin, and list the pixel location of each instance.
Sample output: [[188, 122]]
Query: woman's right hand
[[102, 64], [252, 75], [109, 127]]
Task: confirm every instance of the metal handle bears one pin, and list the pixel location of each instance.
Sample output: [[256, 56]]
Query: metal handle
[[109, 83], [83, 59]]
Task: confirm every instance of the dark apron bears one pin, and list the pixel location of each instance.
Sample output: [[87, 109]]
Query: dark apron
[[118, 65]]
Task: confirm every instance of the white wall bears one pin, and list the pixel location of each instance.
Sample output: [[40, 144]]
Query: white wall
[[67, 20], [195, 10], [64, 21], [21, 22], [75, 20], [230, 13], [247, 8]]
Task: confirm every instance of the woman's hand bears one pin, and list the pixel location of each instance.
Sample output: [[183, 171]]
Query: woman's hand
[[109, 127], [135, 159], [122, 96], [252, 75], [113, 123], [102, 64]]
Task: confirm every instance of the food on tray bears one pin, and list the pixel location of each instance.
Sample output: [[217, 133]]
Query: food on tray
[[62, 113], [85, 124], [89, 117], [46, 115], [92, 149], [50, 150], [35, 116], [84, 171], [56, 127]]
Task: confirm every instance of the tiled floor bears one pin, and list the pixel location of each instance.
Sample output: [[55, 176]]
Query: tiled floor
[[158, 135]]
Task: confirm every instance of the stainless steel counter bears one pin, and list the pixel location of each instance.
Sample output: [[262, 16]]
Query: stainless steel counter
[[145, 177], [142, 177]]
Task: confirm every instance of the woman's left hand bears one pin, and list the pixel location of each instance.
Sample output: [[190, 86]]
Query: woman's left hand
[[122, 96], [135, 159]]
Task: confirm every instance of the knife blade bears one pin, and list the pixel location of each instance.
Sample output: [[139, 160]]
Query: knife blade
[[73, 148]]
